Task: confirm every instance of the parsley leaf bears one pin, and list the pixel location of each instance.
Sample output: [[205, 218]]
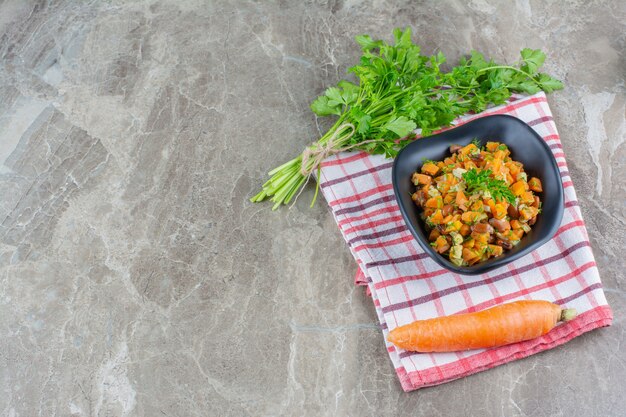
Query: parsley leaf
[[334, 96], [532, 59], [367, 43], [361, 119], [401, 126], [322, 107], [549, 84]]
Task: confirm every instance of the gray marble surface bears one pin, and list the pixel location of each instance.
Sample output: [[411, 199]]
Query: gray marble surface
[[137, 280]]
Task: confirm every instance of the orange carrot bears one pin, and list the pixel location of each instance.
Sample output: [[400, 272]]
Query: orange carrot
[[470, 216], [422, 179], [497, 326], [465, 230], [535, 184], [437, 217], [519, 188], [434, 202], [498, 211], [430, 168], [448, 198]]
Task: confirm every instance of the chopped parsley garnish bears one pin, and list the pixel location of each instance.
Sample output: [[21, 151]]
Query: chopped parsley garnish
[[482, 181]]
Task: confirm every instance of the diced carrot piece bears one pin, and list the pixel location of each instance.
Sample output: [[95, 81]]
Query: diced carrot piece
[[495, 250], [477, 205], [515, 224], [430, 169], [481, 250], [434, 202], [469, 217], [454, 226], [461, 200], [492, 146], [478, 247], [437, 217], [469, 165], [498, 211], [429, 211], [494, 165], [509, 179], [480, 237], [527, 213], [421, 179], [475, 260], [535, 185], [469, 243], [441, 244], [467, 149], [444, 182], [500, 154], [519, 188], [469, 254], [527, 197], [517, 234], [465, 230], [447, 219], [514, 168], [448, 198]]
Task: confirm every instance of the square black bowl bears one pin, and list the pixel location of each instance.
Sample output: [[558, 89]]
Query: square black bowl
[[526, 147]]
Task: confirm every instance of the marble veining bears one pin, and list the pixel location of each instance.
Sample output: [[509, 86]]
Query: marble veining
[[137, 280]]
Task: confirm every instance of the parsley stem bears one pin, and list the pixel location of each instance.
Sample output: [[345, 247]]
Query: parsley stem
[[506, 67]]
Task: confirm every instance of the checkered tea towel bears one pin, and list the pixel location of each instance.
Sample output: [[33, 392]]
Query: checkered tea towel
[[406, 285]]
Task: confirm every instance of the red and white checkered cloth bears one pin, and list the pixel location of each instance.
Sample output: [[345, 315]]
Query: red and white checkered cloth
[[406, 285]]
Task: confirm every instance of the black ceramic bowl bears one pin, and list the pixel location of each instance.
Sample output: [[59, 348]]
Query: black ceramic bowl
[[526, 147]]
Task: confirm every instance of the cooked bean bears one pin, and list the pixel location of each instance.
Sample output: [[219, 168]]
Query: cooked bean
[[419, 197], [512, 211], [505, 244], [501, 225], [482, 228], [536, 202]]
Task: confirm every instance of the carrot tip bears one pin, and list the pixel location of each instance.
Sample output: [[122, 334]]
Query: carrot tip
[[568, 314]]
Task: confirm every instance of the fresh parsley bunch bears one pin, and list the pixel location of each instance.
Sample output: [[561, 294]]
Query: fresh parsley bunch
[[400, 90]]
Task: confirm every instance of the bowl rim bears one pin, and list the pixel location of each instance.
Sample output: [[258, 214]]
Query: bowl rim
[[481, 267]]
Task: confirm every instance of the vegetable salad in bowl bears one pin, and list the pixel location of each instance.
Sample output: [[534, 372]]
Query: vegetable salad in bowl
[[477, 202]]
